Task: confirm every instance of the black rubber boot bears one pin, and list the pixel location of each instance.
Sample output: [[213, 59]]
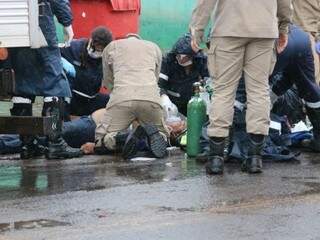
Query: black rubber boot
[[57, 147], [203, 156], [215, 164], [253, 164], [31, 148], [314, 117], [156, 142], [130, 147], [30, 145]]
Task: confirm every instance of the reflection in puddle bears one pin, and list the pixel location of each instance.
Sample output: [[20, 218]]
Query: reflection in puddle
[[32, 224], [19, 179]]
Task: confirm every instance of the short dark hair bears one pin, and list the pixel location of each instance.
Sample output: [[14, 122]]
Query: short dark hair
[[101, 36]]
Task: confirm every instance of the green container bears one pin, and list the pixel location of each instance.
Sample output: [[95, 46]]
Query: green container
[[196, 116]]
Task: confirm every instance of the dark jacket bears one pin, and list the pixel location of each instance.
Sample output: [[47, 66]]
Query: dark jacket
[[39, 71], [47, 10], [88, 70], [296, 64], [173, 78], [176, 83]]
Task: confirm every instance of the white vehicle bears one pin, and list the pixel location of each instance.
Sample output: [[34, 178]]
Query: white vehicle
[[19, 24]]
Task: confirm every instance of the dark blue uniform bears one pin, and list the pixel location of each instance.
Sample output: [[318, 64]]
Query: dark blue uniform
[[296, 64], [294, 72], [86, 84], [177, 84], [174, 81], [39, 71]]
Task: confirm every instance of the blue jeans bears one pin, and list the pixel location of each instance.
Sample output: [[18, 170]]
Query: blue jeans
[[78, 132]]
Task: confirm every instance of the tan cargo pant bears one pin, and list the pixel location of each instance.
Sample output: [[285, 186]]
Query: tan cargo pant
[[228, 59], [316, 59], [120, 116]]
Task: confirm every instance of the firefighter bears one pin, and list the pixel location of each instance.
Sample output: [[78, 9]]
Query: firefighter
[[131, 69], [244, 34], [297, 67], [85, 80], [306, 14], [180, 69], [39, 72]]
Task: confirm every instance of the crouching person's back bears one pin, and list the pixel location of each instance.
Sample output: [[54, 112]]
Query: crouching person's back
[[131, 71]]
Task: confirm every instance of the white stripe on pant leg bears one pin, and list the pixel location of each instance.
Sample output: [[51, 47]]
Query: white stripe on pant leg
[[163, 76], [21, 100], [313, 105], [175, 94], [239, 105], [275, 125], [50, 99]]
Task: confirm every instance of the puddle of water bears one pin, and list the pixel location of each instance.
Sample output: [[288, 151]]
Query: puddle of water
[[90, 173], [32, 224]]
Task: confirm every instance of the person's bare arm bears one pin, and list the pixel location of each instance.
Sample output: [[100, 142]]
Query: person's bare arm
[[200, 18]]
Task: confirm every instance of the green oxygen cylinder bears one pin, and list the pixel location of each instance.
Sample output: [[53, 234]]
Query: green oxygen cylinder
[[196, 115]]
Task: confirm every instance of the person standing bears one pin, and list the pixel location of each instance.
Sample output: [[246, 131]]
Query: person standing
[[242, 42], [39, 72], [306, 14]]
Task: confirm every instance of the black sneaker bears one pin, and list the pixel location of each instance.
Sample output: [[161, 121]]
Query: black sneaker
[[60, 150], [130, 147], [157, 144]]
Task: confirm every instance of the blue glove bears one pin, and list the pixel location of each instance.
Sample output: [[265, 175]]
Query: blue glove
[[68, 67], [318, 47]]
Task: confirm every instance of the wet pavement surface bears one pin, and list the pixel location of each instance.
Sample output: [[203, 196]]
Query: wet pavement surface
[[102, 197]]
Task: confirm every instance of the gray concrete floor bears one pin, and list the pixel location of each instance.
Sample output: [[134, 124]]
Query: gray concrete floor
[[102, 197]]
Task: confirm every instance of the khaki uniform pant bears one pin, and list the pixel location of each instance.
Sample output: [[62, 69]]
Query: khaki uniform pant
[[316, 59], [229, 58], [120, 116]]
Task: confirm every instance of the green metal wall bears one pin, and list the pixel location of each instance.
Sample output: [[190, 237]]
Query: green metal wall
[[163, 21]]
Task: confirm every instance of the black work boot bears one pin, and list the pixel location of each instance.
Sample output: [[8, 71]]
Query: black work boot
[[130, 147], [30, 145], [314, 117], [57, 147], [120, 140], [215, 162], [253, 163], [156, 142]]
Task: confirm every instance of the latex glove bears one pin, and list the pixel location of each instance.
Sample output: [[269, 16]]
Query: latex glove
[[318, 47], [68, 67], [170, 108], [68, 35]]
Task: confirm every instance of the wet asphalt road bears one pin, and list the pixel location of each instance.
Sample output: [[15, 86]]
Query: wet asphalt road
[[100, 197]]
